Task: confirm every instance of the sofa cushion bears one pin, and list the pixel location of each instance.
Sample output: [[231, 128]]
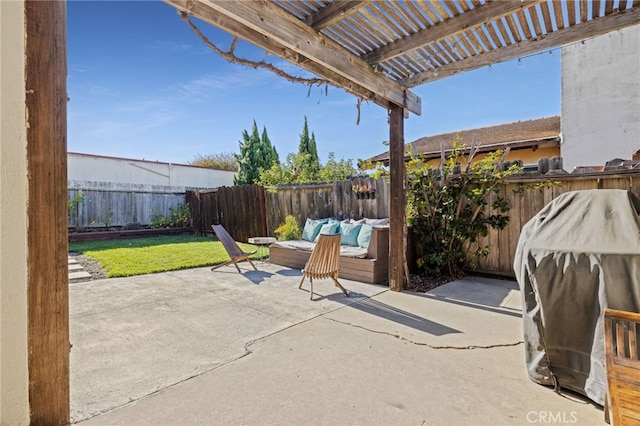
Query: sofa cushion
[[377, 222], [312, 229], [346, 251], [364, 236], [349, 233], [330, 228]]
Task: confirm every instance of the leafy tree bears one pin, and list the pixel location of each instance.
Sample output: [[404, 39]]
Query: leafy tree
[[222, 161], [336, 170], [304, 166], [294, 171], [308, 152], [256, 155]]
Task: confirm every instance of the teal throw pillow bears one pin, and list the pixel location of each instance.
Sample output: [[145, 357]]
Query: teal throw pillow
[[327, 228], [349, 234], [311, 229], [364, 236]]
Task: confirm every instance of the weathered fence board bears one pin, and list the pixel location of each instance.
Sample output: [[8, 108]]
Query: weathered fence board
[[240, 209], [325, 200], [104, 208], [504, 242]]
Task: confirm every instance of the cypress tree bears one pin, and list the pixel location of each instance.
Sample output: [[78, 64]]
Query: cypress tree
[[271, 155], [256, 154], [314, 160], [308, 150], [248, 157]]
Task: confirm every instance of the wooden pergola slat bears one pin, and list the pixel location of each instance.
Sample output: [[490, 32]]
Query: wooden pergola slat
[[472, 19], [561, 37], [333, 12]]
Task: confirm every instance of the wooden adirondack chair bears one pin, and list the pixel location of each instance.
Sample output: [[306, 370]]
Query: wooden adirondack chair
[[235, 252], [324, 261]]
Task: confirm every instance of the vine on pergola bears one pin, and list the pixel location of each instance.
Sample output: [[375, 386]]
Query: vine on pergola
[[230, 56]]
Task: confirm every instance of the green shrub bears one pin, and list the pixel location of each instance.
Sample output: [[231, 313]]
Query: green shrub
[[72, 207], [447, 209], [289, 230], [180, 217]]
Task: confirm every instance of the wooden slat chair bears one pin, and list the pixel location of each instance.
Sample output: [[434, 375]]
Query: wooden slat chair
[[324, 262], [623, 366], [235, 252]]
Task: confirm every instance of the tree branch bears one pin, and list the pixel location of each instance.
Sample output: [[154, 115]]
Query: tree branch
[[230, 56]]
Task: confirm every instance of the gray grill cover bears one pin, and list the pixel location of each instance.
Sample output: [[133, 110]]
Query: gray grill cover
[[579, 255]]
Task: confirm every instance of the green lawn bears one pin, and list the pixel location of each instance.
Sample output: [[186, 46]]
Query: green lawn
[[127, 257]]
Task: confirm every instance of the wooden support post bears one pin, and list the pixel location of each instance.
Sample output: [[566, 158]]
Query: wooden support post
[[48, 286], [397, 192]]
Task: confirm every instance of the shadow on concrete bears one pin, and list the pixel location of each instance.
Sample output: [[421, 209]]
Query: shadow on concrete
[[374, 307], [290, 272], [257, 277], [489, 295], [501, 311]]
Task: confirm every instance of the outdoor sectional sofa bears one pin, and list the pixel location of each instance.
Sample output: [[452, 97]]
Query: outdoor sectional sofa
[[369, 264]]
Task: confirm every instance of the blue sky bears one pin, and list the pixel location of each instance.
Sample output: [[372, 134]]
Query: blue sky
[[142, 85]]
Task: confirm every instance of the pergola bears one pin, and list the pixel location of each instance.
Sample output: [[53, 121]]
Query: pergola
[[376, 50]]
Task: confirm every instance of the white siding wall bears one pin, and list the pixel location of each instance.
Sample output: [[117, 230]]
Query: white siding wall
[[601, 99], [97, 172], [14, 379]]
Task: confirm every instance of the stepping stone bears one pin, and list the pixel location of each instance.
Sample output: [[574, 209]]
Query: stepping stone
[[78, 275], [75, 267], [72, 261]]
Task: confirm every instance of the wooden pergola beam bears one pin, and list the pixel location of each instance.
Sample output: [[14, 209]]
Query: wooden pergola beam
[[334, 12], [468, 20], [200, 10], [585, 30], [246, 18]]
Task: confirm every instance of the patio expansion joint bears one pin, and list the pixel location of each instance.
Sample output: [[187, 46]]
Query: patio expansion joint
[[397, 336]]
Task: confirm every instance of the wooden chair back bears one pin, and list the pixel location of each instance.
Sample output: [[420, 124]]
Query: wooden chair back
[[324, 261], [228, 242], [233, 249], [622, 348]]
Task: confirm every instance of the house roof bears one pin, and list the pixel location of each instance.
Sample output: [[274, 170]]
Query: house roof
[[520, 134]]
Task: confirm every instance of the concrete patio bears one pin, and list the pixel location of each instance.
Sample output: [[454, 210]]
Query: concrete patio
[[196, 347]]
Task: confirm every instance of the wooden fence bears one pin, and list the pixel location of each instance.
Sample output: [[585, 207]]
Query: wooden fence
[[248, 211], [104, 208], [504, 242], [240, 209], [329, 200]]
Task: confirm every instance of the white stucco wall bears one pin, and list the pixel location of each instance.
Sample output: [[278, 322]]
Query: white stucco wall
[[601, 98], [14, 379], [93, 171]]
